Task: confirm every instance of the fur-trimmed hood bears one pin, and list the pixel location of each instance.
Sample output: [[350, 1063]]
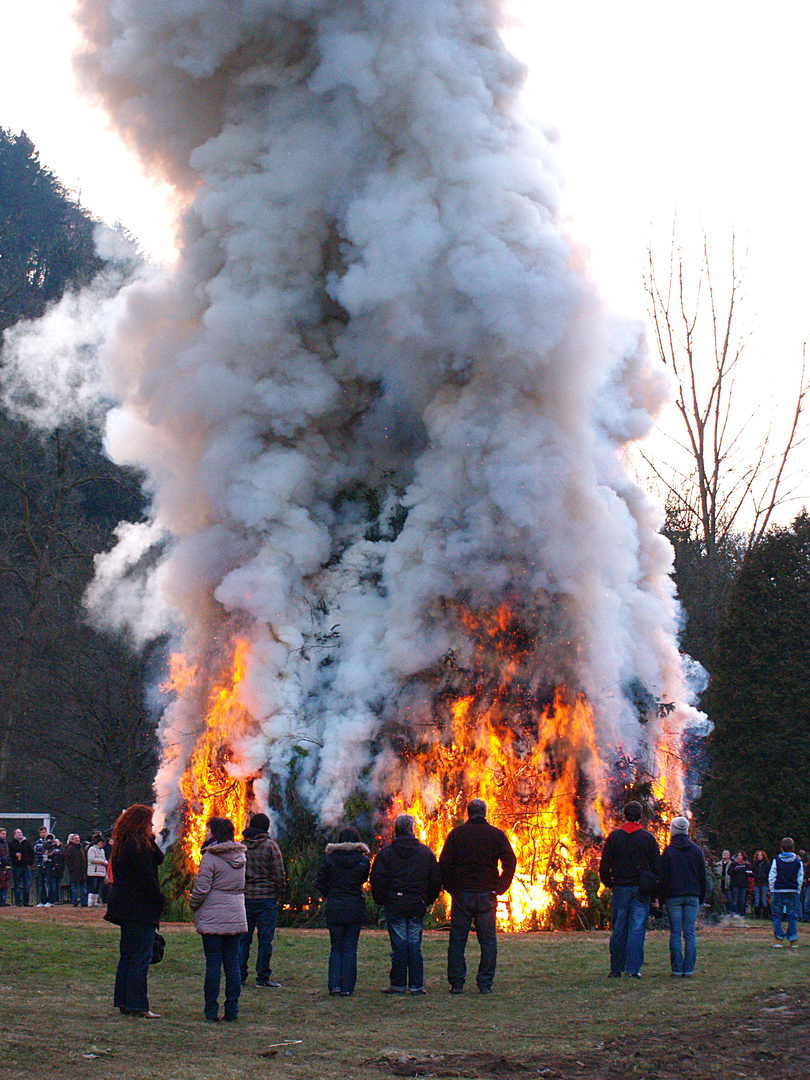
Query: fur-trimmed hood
[[334, 849]]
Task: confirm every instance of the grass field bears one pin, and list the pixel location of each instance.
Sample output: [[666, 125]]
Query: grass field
[[552, 1001]]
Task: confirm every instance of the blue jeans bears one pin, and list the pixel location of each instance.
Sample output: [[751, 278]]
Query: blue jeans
[[21, 876], [629, 912], [42, 885], [760, 896], [738, 897], [78, 893], [468, 908], [407, 967], [343, 938], [137, 942], [785, 905], [221, 952], [261, 917], [682, 912]]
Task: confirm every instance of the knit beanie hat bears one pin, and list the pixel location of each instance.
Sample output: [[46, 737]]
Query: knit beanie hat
[[678, 826]]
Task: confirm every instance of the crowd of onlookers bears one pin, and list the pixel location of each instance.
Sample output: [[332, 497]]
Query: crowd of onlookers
[[742, 885], [48, 872]]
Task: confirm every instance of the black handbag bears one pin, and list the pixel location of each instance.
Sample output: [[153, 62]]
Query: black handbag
[[158, 948]]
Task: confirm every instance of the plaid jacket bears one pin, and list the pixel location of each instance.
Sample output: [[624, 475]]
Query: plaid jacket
[[264, 873]]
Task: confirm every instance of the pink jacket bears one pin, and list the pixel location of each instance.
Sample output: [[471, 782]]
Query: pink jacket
[[218, 896]]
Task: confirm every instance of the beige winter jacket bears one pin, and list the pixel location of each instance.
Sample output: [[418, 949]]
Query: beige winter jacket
[[218, 896]]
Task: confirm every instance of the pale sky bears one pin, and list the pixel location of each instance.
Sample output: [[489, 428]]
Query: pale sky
[[694, 107]]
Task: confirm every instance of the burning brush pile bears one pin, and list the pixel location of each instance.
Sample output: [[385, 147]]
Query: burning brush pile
[[383, 422]]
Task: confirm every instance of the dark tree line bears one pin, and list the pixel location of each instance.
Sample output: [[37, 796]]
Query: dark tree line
[[75, 738]]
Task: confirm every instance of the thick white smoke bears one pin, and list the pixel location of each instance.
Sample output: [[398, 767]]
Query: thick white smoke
[[375, 386]]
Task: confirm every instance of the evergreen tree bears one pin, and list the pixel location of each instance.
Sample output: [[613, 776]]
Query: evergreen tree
[[758, 789]]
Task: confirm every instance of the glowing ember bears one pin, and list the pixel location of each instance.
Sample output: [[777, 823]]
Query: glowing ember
[[212, 785]]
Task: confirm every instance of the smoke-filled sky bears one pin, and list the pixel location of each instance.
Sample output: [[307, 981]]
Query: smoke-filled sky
[[689, 106]]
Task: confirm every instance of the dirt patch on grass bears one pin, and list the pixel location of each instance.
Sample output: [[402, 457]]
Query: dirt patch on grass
[[768, 1043]]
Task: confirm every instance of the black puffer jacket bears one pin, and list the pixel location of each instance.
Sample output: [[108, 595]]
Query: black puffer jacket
[[135, 895], [340, 879], [405, 877]]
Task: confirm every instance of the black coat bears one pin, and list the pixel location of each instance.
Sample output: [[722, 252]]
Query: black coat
[[20, 852], [625, 851], [340, 879], [405, 877], [135, 895], [470, 857]]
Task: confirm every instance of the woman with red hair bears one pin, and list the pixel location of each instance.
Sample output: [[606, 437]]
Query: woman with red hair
[[135, 904]]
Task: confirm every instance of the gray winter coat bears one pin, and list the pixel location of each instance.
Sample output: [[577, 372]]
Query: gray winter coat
[[218, 896]]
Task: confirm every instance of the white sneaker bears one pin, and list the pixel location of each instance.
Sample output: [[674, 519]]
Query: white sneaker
[[48, 905], [777, 945], [40, 905]]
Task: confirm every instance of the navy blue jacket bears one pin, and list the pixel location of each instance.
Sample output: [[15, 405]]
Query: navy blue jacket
[[683, 869]]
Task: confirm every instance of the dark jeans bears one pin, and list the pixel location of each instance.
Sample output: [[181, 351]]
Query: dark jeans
[[21, 877], [629, 911], [682, 912], [470, 908], [221, 952], [407, 968], [42, 885], [739, 894], [78, 893], [137, 942], [343, 938], [261, 917], [52, 888]]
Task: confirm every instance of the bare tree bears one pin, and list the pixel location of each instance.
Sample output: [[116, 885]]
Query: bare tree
[[727, 478]]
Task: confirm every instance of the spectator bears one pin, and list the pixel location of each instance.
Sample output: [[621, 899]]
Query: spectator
[[47, 867], [344, 869], [723, 871], [96, 869], [56, 862], [469, 864], [76, 865], [264, 888], [683, 890], [785, 881], [760, 868], [218, 903], [39, 851], [406, 881], [630, 853], [738, 878], [22, 859], [135, 905], [5, 868], [804, 895]]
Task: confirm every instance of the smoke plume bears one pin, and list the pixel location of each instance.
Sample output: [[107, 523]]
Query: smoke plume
[[375, 393]]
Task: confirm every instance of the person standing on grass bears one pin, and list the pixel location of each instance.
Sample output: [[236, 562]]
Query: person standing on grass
[[135, 905], [264, 888], [738, 876], [723, 870], [96, 869], [76, 865], [760, 868], [469, 865], [630, 853], [5, 868], [683, 890], [342, 874], [218, 903], [39, 852], [22, 859], [785, 881], [406, 881]]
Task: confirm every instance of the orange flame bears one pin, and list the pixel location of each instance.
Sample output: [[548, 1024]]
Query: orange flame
[[211, 784], [541, 776]]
